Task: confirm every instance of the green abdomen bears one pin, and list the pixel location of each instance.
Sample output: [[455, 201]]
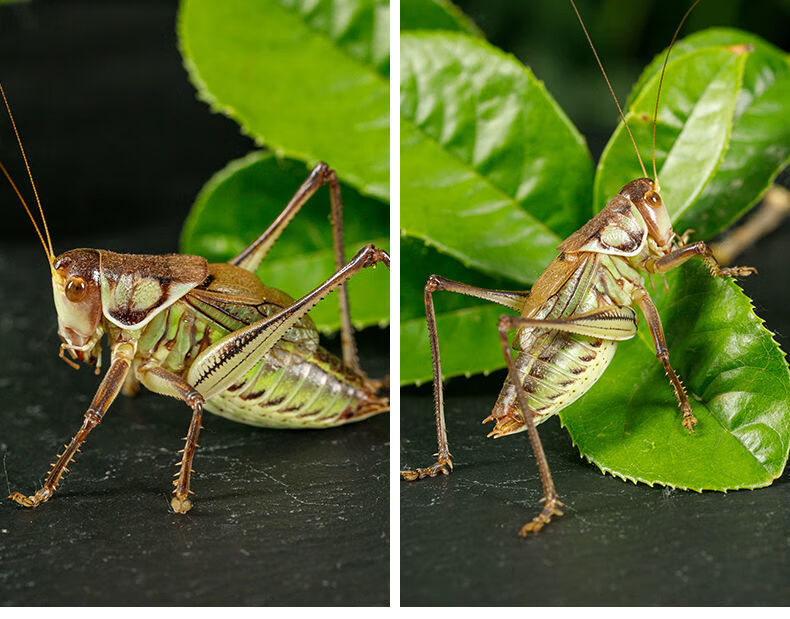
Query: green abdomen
[[556, 370], [298, 384]]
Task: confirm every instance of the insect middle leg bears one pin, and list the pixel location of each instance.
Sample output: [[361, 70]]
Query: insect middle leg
[[159, 380], [254, 254], [642, 298], [513, 300]]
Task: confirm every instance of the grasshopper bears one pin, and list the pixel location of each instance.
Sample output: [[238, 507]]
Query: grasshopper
[[579, 308], [211, 335]]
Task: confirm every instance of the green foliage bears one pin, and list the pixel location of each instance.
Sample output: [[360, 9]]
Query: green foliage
[[235, 205], [494, 176], [628, 423], [309, 81], [435, 15]]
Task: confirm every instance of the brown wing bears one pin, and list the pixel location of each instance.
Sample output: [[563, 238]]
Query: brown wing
[[568, 276], [232, 298]]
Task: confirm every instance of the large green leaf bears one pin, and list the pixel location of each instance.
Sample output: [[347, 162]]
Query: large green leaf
[[482, 148], [718, 152], [308, 79], [240, 201], [738, 383]]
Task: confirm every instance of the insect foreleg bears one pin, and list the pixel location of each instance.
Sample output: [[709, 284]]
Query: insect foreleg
[[111, 384], [230, 358], [645, 303], [252, 256], [513, 300], [679, 256], [159, 380]]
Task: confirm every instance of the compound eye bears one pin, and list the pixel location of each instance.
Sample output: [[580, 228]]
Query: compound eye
[[653, 199], [76, 289]]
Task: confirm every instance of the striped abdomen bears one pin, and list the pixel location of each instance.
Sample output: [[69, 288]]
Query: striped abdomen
[[556, 368], [297, 384]]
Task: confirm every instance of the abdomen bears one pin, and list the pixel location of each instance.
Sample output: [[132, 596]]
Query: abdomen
[[297, 384]]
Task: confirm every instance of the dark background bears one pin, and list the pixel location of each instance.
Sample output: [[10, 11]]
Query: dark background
[[618, 543], [120, 147]]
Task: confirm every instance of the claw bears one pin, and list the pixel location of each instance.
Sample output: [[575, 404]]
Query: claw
[[33, 500], [543, 518], [689, 421], [443, 467], [180, 505]]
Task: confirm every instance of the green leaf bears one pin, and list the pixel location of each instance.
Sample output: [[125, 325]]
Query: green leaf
[[483, 148], [241, 200], [758, 146], [628, 424], [307, 79], [435, 15], [694, 122]]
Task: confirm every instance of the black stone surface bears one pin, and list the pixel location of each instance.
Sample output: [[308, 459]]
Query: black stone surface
[[618, 543], [120, 147]]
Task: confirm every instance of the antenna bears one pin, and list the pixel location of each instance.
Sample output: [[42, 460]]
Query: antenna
[[661, 81], [611, 90], [48, 246]]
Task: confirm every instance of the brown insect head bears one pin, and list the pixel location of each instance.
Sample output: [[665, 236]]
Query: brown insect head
[[75, 286], [644, 194]]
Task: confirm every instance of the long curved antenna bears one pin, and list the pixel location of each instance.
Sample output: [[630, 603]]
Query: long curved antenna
[[30, 176], [661, 81], [611, 90], [50, 257]]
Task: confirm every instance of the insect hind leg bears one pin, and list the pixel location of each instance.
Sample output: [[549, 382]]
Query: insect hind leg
[[550, 496], [253, 254], [512, 299]]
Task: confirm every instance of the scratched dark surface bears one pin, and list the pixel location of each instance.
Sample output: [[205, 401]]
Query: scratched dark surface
[[120, 147], [618, 543]]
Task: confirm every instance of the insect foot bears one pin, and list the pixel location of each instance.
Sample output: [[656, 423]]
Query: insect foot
[[738, 271], [180, 504], [689, 420], [442, 466], [543, 518], [31, 501]]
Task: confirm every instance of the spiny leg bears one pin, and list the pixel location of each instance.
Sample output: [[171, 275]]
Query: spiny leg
[[642, 298], [111, 384], [230, 358], [159, 380], [252, 256], [513, 300], [645, 303]]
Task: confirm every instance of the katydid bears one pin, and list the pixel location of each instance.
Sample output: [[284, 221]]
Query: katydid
[[211, 335], [569, 323]]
